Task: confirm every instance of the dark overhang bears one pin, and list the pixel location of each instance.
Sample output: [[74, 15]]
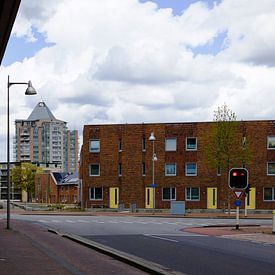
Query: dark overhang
[[8, 11]]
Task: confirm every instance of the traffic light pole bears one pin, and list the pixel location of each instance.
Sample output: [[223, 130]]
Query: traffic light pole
[[237, 217]]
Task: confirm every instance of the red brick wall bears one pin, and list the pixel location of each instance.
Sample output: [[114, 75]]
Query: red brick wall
[[132, 184]]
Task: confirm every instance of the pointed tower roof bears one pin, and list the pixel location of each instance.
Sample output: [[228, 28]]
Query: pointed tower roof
[[41, 111]]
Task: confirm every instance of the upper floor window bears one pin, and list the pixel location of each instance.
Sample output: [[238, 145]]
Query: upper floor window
[[170, 169], [170, 144], [144, 144], [143, 169], [271, 168], [120, 145], [191, 144], [271, 143], [192, 193], [191, 169], [168, 193], [120, 169], [94, 170], [96, 193], [269, 194], [218, 170], [94, 145]]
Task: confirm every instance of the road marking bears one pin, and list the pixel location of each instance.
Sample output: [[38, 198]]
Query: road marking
[[113, 221], [83, 221], [70, 221], [55, 221], [125, 222], [42, 221], [161, 238]]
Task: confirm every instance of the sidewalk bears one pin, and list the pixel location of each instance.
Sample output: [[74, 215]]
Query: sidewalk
[[28, 248]]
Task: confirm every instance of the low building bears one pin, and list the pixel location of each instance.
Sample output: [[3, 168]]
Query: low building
[[55, 187], [116, 166]]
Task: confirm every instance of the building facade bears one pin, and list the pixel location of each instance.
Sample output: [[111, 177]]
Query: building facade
[[116, 166], [46, 141]]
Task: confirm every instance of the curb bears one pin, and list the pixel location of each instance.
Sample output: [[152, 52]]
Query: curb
[[147, 266]]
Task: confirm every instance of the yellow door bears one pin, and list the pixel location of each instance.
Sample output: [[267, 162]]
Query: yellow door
[[211, 198], [251, 198], [149, 197], [114, 197]]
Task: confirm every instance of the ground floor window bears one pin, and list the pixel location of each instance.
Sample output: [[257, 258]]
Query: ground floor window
[[271, 168], [96, 193], [192, 193], [269, 194], [168, 193]]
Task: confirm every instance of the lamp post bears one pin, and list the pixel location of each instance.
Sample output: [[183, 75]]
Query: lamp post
[[154, 158], [29, 91]]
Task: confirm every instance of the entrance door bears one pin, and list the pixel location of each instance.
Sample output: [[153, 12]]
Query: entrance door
[[148, 197], [212, 198], [114, 197], [251, 198]]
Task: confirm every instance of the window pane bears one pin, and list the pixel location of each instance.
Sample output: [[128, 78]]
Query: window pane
[[92, 193], [94, 146], [170, 144], [191, 168], [143, 168], [166, 193], [98, 193], [143, 144], [195, 194], [191, 144], [188, 193], [95, 169], [271, 142], [120, 145], [267, 194], [173, 193], [170, 169], [271, 168]]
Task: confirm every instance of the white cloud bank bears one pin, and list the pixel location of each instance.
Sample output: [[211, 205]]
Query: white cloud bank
[[117, 61]]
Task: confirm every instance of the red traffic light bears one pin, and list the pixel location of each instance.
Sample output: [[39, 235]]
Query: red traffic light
[[238, 178]]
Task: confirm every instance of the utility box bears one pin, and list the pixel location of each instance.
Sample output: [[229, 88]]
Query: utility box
[[177, 207]]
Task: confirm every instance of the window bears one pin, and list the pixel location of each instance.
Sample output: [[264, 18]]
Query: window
[[271, 168], [192, 193], [96, 193], [144, 144], [269, 194], [143, 169], [191, 169], [191, 144], [170, 144], [120, 145], [168, 193], [271, 143], [94, 170], [218, 170], [170, 169], [120, 169], [94, 145]]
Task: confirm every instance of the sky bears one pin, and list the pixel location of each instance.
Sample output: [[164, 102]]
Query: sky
[[134, 61]]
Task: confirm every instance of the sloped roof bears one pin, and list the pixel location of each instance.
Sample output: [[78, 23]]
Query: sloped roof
[[66, 178], [41, 111]]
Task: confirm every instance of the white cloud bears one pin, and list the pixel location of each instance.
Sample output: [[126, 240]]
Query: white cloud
[[117, 61]]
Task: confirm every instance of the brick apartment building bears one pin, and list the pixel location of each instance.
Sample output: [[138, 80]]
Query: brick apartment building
[[56, 187], [116, 166]]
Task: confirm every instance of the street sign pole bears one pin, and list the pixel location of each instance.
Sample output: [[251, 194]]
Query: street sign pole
[[237, 217]]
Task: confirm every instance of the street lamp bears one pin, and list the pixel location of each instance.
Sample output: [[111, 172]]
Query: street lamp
[[154, 158], [29, 91]]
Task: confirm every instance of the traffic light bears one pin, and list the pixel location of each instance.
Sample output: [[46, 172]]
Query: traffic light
[[238, 178]]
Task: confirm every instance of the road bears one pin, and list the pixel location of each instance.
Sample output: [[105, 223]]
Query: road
[[163, 240]]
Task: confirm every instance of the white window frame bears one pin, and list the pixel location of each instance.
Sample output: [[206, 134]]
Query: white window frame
[[170, 150], [170, 188], [270, 162], [191, 175], [267, 143], [272, 194], [90, 170], [90, 147], [196, 148], [190, 199], [93, 199], [171, 175]]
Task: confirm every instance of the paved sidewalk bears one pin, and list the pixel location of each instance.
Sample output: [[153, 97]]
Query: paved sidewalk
[[29, 248]]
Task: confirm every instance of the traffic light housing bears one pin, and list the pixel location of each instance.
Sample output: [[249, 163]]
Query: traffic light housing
[[238, 178]]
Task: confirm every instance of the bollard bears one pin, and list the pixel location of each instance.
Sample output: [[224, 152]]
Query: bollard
[[273, 223]]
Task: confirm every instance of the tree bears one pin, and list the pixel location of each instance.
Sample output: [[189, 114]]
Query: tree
[[226, 143], [23, 177]]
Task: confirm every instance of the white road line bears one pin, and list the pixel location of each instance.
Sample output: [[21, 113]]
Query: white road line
[[70, 221], [125, 222], [55, 221], [42, 221], [161, 238], [83, 221]]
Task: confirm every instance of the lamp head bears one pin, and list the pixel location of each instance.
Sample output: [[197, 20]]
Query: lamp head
[[30, 90], [152, 137]]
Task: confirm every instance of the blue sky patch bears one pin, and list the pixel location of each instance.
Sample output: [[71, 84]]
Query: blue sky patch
[[19, 48]]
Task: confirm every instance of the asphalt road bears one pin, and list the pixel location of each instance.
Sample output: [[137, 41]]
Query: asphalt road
[[162, 240]]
